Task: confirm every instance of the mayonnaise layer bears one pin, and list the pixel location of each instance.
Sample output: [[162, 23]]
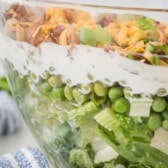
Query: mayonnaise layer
[[82, 64]]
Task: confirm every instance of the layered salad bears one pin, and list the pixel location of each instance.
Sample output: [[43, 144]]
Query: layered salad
[[93, 88]]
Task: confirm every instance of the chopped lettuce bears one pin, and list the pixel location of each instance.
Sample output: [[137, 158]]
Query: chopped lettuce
[[61, 139], [138, 153], [82, 114], [80, 159], [125, 128], [160, 140], [103, 151]]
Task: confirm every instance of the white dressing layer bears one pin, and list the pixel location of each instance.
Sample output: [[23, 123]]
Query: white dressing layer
[[83, 64]]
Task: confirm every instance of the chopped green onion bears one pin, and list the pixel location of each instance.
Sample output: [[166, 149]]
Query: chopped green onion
[[149, 47], [163, 48], [155, 59], [145, 23], [130, 56]]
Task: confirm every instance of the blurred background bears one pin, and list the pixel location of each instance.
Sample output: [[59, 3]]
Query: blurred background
[[14, 141]]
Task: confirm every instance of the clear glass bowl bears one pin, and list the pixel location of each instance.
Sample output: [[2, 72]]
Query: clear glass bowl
[[90, 80]]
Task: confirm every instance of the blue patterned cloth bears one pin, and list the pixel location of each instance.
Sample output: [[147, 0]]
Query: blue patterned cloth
[[24, 158], [9, 114]]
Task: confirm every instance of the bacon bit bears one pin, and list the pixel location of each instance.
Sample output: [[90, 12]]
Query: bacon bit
[[38, 36], [29, 30], [69, 15], [55, 34], [63, 38], [107, 48], [72, 36], [18, 12], [105, 19], [20, 33], [70, 55], [10, 25], [69, 36], [162, 37]]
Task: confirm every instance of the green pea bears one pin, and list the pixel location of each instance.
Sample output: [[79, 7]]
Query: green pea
[[78, 96], [45, 87], [115, 93], [68, 92], [100, 89], [121, 105], [165, 114], [165, 124], [154, 122], [58, 93], [86, 89], [98, 100], [45, 75], [159, 104], [55, 81]]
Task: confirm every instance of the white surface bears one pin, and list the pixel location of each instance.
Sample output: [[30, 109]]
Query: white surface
[[14, 142], [159, 4]]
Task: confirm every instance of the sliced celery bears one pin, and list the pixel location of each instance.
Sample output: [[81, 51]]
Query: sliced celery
[[102, 37], [87, 36], [106, 118], [96, 37], [140, 108]]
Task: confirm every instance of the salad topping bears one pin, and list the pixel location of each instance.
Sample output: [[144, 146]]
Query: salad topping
[[134, 36]]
